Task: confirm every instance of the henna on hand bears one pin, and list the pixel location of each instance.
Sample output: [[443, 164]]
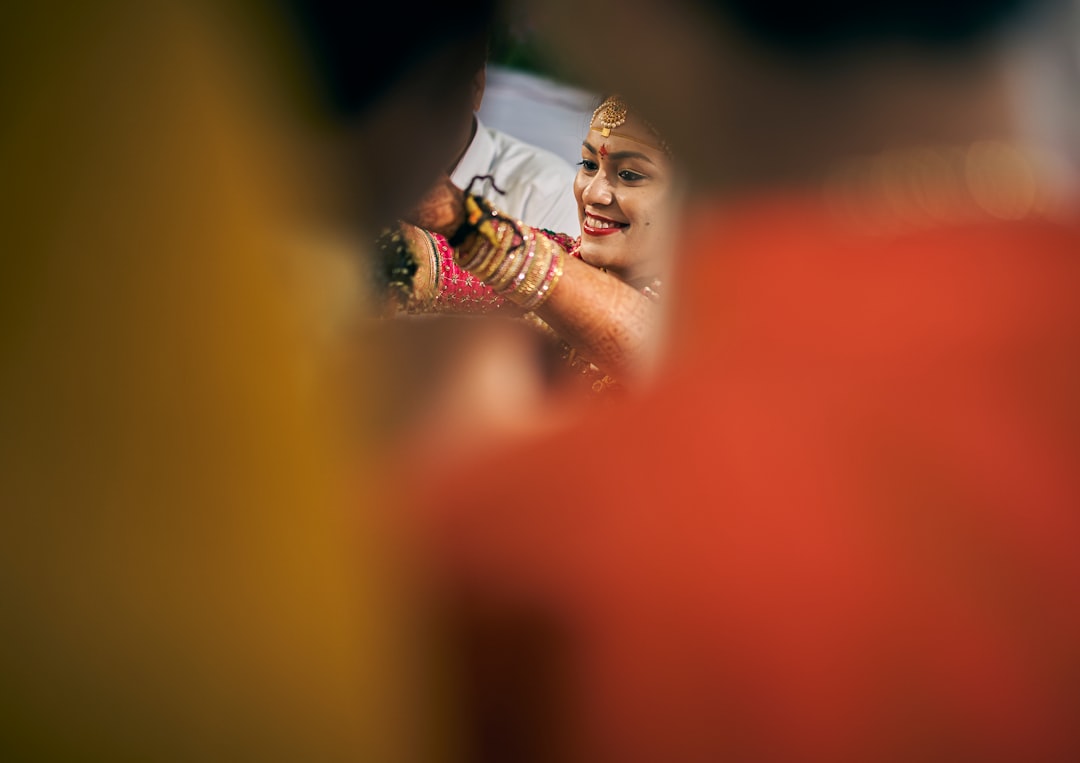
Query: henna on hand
[[441, 210]]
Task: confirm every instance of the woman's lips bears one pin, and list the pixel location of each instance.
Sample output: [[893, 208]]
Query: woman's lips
[[600, 226]]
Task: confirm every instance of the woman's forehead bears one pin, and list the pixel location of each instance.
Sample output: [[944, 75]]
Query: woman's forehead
[[633, 135], [618, 146]]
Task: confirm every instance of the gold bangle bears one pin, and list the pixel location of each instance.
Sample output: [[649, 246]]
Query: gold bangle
[[527, 287], [513, 262], [551, 278], [485, 268]]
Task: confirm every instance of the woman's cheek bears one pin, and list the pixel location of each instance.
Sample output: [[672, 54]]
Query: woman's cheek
[[579, 186]]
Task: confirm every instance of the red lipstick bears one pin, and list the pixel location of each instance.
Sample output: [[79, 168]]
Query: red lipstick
[[595, 225]]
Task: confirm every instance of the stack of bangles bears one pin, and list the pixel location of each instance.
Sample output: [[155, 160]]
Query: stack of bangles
[[515, 261]]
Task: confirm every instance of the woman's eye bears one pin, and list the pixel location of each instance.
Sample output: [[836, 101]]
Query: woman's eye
[[630, 176], [588, 165]]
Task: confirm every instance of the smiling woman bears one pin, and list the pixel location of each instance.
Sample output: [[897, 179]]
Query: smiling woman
[[626, 175], [596, 293]]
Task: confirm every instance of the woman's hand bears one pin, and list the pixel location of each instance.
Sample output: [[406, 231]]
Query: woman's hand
[[441, 210]]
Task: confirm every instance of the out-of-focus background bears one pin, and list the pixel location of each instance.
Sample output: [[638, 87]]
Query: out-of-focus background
[[537, 108], [531, 96]]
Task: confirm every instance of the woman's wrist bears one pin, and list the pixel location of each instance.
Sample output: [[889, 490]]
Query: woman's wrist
[[517, 262], [441, 210]]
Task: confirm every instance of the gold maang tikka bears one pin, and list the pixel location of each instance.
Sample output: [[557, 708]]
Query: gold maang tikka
[[612, 113]]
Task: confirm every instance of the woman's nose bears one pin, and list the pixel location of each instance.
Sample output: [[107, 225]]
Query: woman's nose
[[598, 191]]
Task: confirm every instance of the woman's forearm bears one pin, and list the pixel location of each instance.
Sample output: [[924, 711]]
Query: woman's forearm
[[605, 319]]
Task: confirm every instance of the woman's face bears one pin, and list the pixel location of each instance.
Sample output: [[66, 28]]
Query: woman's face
[[625, 197]]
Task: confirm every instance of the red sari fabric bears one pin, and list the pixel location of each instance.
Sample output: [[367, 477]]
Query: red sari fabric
[[842, 527]]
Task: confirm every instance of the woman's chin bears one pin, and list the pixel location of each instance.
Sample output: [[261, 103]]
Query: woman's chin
[[590, 256]]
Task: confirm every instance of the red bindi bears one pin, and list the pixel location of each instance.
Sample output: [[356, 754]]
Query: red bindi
[[603, 151]]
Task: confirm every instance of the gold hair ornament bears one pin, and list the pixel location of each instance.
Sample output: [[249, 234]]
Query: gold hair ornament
[[612, 113]]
